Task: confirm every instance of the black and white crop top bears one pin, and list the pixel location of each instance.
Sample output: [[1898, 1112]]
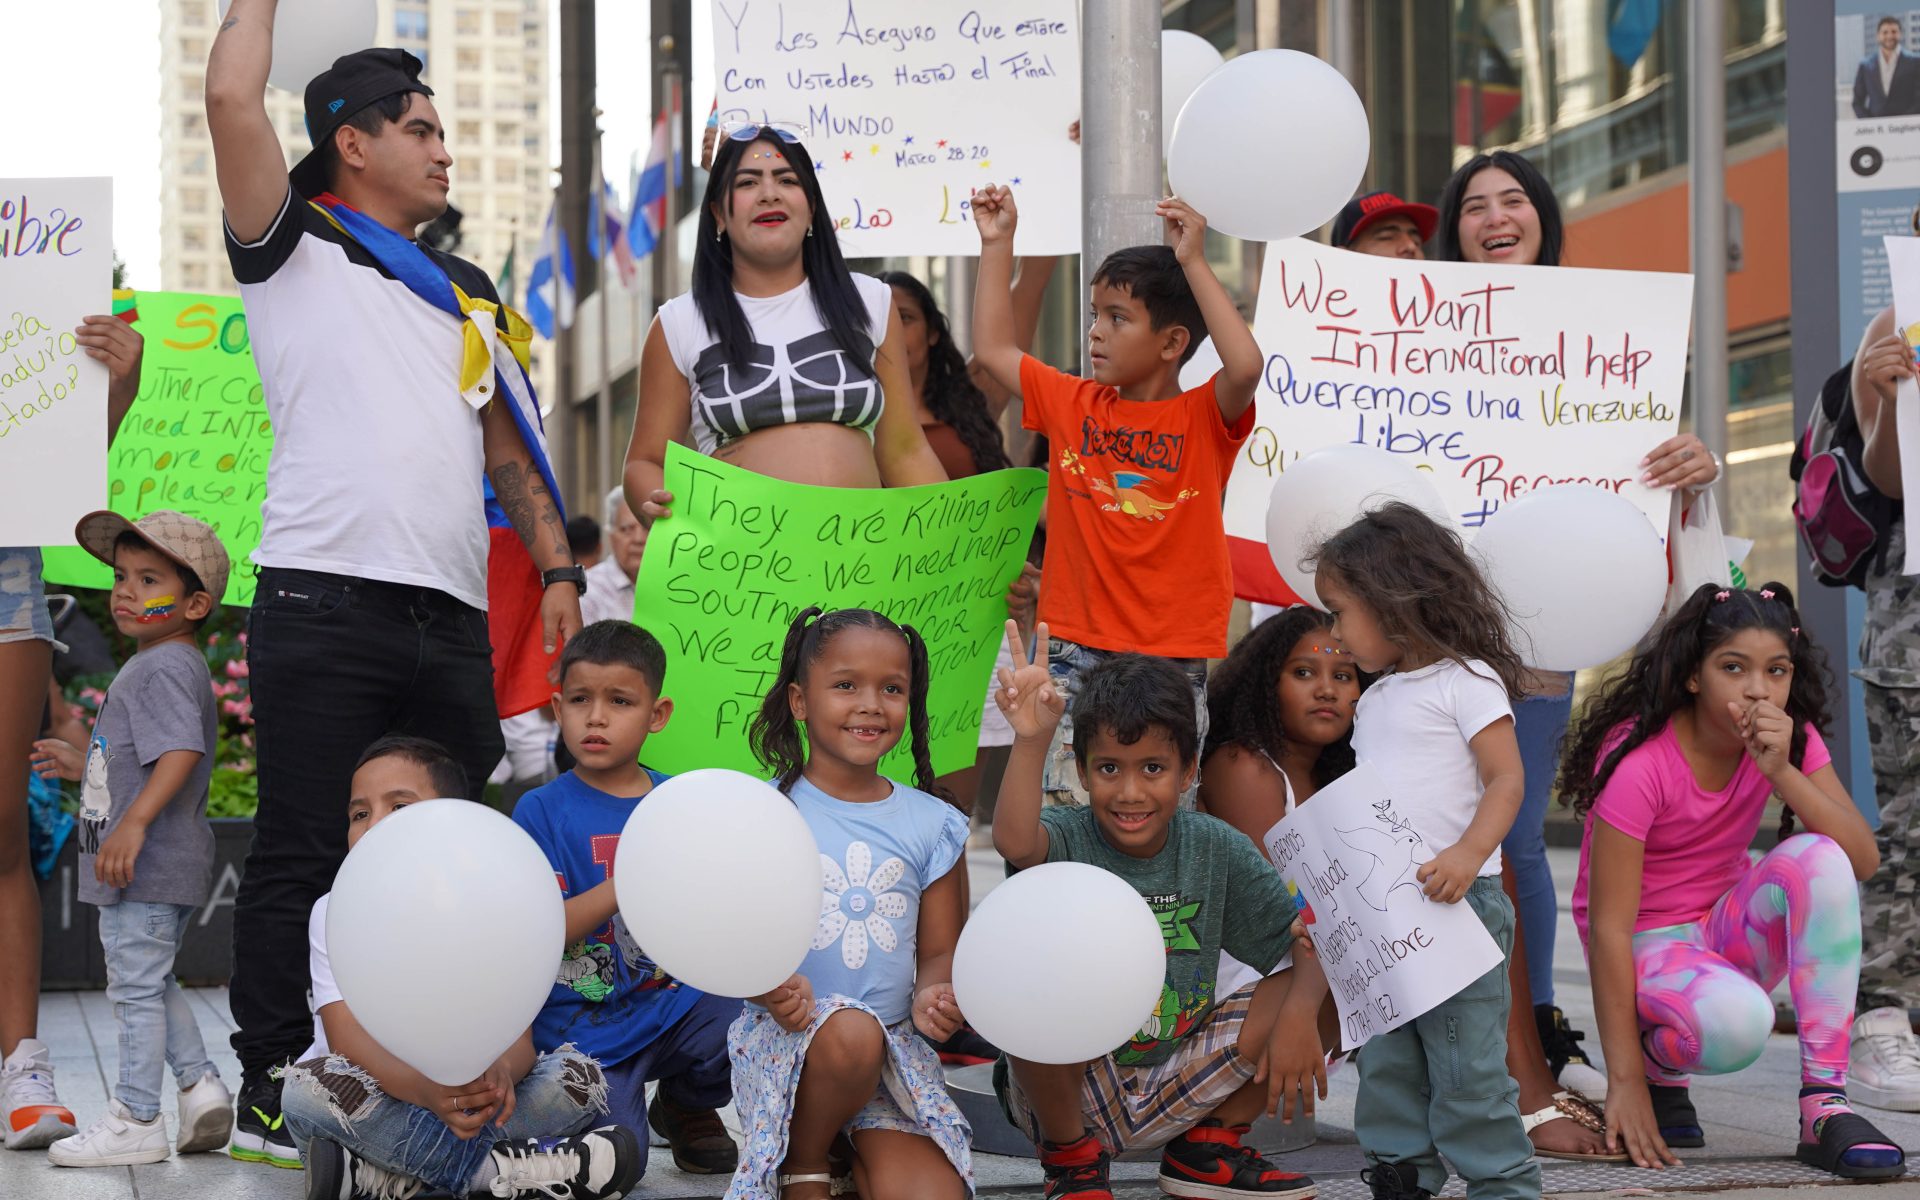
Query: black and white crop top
[[796, 373]]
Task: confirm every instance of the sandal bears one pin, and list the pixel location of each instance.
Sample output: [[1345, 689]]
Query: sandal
[[1842, 1132], [1568, 1106], [783, 1182], [1673, 1112]]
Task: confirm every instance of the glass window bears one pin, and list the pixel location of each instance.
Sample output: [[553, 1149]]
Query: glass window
[[466, 22], [410, 23], [468, 59]]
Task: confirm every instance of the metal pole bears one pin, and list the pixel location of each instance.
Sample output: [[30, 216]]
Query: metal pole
[[1120, 168], [603, 410], [1707, 159], [577, 85], [1343, 38]]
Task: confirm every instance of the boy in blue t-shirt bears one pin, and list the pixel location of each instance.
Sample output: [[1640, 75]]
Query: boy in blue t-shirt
[[610, 1000]]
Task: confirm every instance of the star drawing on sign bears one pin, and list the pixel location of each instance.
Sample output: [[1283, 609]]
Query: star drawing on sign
[[908, 141], [1016, 181], [846, 156], [874, 149], [942, 142]]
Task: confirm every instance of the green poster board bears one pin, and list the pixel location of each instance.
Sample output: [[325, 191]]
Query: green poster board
[[723, 577], [197, 438]]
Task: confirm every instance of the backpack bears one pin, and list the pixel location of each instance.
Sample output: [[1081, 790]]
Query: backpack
[[1842, 519]]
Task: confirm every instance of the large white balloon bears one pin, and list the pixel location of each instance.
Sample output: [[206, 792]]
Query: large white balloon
[[1269, 146], [1060, 964], [1321, 493], [309, 34], [445, 931], [1582, 570], [719, 881], [1185, 59]]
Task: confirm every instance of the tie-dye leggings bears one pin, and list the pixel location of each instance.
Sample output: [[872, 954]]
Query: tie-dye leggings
[[1702, 989]]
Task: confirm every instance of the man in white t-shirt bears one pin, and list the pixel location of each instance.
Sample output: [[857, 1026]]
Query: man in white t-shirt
[[371, 606], [610, 581]]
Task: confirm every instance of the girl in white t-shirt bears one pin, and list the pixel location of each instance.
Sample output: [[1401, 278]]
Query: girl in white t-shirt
[[1408, 602], [1671, 768]]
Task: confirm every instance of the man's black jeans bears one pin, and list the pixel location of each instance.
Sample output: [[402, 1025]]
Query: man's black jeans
[[336, 662]]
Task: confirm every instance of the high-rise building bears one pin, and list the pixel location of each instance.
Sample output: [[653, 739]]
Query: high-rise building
[[487, 63]]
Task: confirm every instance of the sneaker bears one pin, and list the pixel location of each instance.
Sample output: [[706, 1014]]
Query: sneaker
[[700, 1143], [206, 1116], [1673, 1111], [597, 1165], [1209, 1162], [335, 1173], [1565, 1059], [259, 1128], [1394, 1181], [1076, 1170], [34, 1116], [115, 1140], [1883, 1062], [966, 1048]]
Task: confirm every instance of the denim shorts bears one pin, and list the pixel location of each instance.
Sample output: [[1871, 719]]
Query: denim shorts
[[23, 596], [1066, 662]]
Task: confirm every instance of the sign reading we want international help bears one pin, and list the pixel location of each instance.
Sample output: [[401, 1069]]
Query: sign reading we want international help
[[1496, 380]]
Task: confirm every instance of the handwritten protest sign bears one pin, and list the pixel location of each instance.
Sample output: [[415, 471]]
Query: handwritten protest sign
[[1903, 263], [1498, 380], [909, 108], [1390, 953], [723, 577], [197, 439], [56, 267]]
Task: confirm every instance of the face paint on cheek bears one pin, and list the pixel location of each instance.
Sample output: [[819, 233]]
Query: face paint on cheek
[[157, 609]]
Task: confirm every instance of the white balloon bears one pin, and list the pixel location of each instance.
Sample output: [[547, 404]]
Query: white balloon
[[1185, 59], [719, 881], [309, 34], [1062, 963], [445, 931], [1269, 146], [1582, 570], [1321, 493]]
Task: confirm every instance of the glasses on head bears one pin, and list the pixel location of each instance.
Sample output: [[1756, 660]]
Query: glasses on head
[[747, 131]]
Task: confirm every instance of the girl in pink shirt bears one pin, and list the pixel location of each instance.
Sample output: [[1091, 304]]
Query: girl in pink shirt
[[1672, 765]]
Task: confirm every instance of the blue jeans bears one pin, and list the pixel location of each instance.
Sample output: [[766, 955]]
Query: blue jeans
[[1539, 722], [157, 1028], [689, 1058], [334, 1099]]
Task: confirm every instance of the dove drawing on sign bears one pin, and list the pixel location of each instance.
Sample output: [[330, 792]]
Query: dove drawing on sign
[[1392, 851]]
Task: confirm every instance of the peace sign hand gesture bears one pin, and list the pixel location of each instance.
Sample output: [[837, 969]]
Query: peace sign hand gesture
[[1033, 706]]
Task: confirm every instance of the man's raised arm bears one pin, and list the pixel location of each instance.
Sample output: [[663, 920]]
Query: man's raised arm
[[247, 157]]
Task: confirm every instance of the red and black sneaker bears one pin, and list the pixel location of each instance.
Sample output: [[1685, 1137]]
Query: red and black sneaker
[[1076, 1170], [1209, 1162]]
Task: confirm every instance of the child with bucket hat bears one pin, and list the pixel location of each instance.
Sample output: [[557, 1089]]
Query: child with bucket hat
[[146, 850]]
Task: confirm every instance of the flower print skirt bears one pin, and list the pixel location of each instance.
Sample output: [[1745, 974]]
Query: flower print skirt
[[767, 1061]]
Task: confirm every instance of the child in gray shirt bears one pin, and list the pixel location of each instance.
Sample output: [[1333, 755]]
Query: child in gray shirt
[[146, 850]]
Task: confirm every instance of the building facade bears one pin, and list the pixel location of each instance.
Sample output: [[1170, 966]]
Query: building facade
[[487, 63]]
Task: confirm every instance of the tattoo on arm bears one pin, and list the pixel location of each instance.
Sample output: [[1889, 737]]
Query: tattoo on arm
[[548, 510], [524, 497], [229, 23]]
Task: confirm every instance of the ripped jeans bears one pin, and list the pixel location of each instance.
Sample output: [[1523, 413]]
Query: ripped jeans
[[332, 1098]]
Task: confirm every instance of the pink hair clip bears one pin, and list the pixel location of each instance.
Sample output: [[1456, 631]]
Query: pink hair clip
[[1766, 593], [1721, 597], [1796, 631]]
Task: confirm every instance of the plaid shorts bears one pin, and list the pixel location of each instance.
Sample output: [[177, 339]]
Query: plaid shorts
[[1143, 1108], [1066, 662]]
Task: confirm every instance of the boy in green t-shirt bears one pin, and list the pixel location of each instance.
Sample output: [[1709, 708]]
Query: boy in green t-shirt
[[1204, 1066]]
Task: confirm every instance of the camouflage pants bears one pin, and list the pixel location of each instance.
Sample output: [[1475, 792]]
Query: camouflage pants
[[1890, 901]]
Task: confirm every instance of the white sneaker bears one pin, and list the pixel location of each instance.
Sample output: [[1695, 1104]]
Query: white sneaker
[[115, 1140], [32, 1114], [1883, 1061], [598, 1165], [206, 1116]]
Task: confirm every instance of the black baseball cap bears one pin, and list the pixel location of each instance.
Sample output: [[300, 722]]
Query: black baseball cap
[[349, 85], [1362, 211]]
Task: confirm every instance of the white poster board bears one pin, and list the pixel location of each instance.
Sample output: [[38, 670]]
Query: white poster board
[[1496, 379], [56, 266], [1390, 953], [909, 108], [1903, 263]]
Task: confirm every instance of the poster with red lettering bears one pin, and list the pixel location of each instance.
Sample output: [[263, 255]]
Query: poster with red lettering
[[1495, 379], [56, 267]]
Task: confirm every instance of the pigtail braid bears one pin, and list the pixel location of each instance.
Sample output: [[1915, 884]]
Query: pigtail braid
[[774, 734], [923, 776]]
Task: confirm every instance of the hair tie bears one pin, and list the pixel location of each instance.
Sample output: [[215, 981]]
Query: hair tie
[[1796, 631], [1721, 597], [1766, 593]]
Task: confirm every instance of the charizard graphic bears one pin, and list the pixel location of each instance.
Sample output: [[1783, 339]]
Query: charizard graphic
[[1392, 850], [1129, 492]]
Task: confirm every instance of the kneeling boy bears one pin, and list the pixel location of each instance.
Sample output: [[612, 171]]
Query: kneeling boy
[[1204, 1067], [367, 1124], [610, 998]]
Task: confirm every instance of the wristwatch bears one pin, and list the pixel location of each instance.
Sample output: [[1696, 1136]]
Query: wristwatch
[[575, 575]]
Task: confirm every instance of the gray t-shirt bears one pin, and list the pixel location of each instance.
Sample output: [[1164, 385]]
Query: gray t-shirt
[[1211, 891], [162, 700]]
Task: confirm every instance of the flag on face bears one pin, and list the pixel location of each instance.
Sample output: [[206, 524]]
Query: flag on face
[[550, 283], [610, 234]]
